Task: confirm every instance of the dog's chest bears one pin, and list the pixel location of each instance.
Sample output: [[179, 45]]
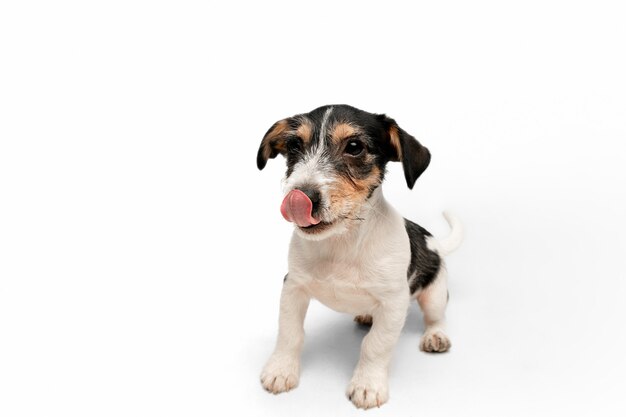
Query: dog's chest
[[356, 273], [343, 285]]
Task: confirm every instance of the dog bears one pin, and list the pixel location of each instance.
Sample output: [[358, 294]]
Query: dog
[[350, 249]]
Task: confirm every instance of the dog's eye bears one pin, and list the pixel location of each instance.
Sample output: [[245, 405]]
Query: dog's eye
[[354, 148]]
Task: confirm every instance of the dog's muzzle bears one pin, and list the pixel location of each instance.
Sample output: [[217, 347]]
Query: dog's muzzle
[[297, 207]]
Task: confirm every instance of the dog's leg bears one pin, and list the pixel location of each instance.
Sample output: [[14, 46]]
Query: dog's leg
[[433, 301], [368, 387], [282, 370]]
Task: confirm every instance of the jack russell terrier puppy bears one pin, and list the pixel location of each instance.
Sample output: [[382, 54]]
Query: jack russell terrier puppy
[[350, 249]]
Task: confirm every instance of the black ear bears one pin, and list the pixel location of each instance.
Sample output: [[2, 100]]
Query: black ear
[[273, 143], [404, 147], [274, 140]]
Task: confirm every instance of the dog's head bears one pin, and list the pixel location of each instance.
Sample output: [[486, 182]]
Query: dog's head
[[336, 158]]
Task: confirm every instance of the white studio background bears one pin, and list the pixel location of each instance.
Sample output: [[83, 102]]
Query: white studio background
[[142, 252]]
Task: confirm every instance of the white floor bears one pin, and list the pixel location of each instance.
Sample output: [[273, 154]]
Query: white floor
[[142, 253]]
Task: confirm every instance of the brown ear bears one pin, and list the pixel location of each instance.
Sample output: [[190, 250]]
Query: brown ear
[[273, 143], [415, 157]]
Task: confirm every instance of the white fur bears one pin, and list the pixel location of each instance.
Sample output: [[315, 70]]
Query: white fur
[[433, 301], [324, 126], [309, 171], [450, 243]]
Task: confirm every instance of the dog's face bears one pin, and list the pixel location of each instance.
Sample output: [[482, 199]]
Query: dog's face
[[336, 158]]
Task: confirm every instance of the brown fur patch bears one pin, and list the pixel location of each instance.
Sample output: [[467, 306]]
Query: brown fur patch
[[372, 179], [342, 131], [305, 130], [395, 141], [272, 139], [348, 194]]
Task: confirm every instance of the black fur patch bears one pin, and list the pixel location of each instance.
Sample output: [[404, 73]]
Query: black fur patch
[[424, 262], [294, 152]]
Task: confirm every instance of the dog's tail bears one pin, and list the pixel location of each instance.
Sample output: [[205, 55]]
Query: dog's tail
[[451, 242]]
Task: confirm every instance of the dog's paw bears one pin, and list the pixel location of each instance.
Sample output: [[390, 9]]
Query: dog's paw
[[280, 375], [364, 320], [435, 341], [367, 394]]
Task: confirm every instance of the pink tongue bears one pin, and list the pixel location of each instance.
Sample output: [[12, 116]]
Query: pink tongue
[[297, 207]]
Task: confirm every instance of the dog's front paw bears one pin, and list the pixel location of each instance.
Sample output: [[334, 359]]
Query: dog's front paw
[[436, 341], [280, 374], [366, 393]]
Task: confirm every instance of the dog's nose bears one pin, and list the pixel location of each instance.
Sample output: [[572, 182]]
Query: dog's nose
[[314, 195]]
